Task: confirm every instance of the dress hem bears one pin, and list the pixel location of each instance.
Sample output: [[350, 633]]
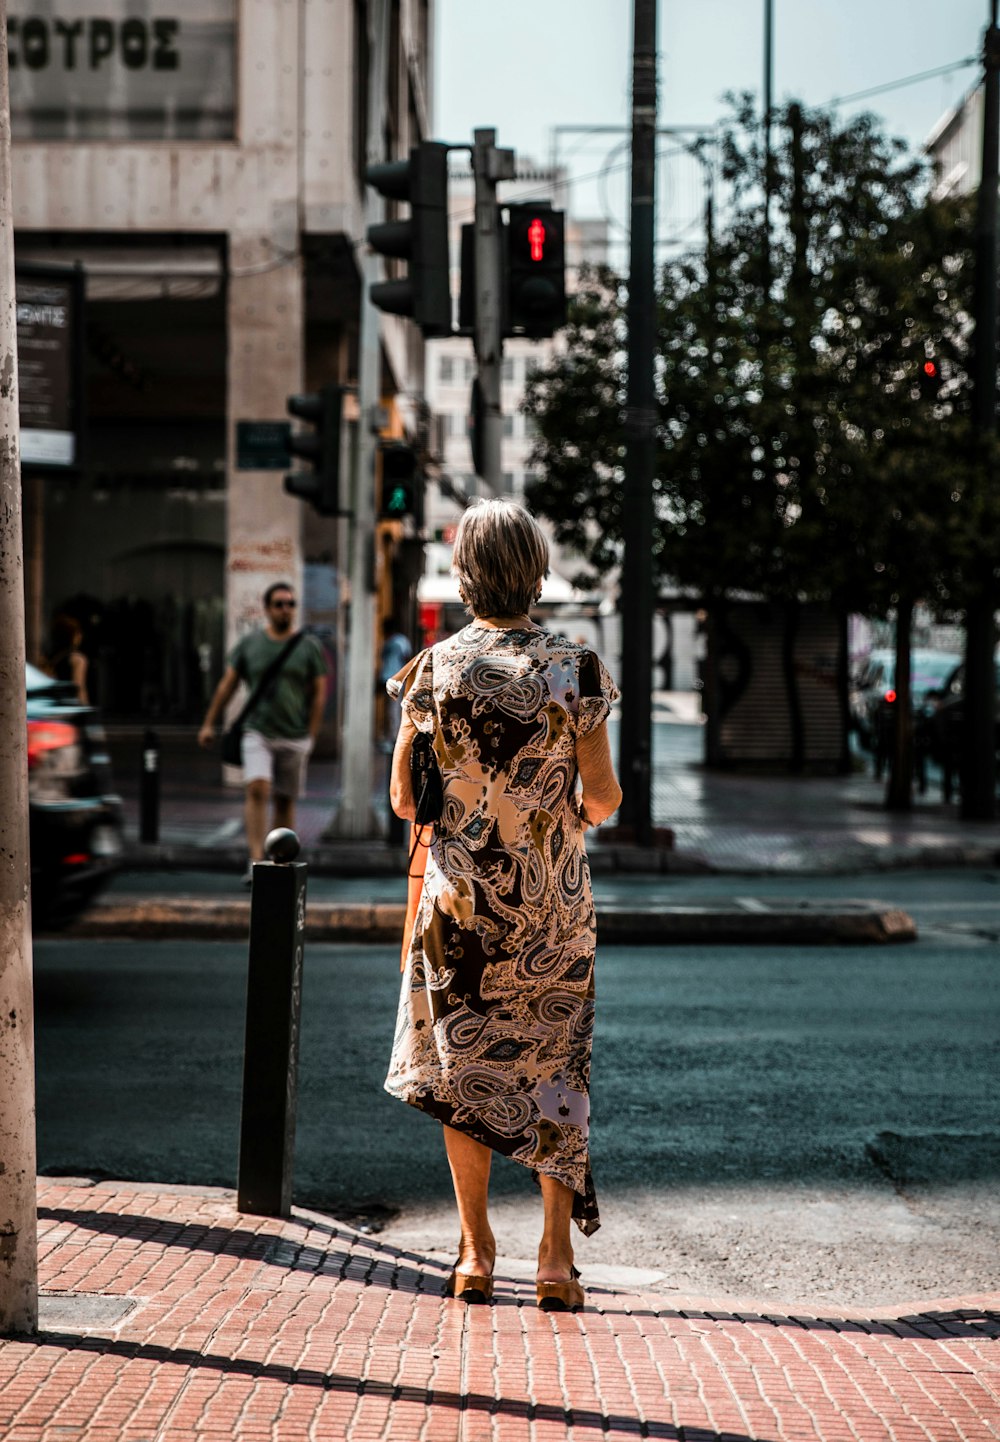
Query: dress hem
[[585, 1212]]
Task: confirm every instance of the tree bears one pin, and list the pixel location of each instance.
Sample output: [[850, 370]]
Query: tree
[[799, 458]]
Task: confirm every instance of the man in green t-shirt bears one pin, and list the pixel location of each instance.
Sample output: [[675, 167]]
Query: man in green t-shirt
[[282, 727]]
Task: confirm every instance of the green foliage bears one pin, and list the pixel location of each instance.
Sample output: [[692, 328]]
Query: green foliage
[[798, 456]]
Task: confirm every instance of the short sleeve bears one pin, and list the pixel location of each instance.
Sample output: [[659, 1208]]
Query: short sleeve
[[413, 688], [597, 691], [237, 658], [316, 661]]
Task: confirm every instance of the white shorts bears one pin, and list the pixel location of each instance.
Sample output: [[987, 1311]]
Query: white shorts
[[279, 761]]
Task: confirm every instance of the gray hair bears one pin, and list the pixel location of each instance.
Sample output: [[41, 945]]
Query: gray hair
[[500, 557]]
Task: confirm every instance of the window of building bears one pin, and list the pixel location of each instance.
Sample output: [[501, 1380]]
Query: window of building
[[508, 425], [447, 370], [470, 369], [508, 369], [456, 423]]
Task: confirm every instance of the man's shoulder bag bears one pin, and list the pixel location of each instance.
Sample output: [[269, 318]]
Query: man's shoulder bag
[[232, 737]]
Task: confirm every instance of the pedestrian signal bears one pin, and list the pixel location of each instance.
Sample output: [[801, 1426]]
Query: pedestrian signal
[[536, 270]]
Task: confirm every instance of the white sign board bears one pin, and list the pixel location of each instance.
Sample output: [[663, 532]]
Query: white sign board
[[122, 69]]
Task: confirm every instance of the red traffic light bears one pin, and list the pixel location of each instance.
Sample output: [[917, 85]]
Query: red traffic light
[[536, 239], [536, 270], [931, 370]]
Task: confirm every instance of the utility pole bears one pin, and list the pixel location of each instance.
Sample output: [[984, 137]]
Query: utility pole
[[354, 816], [635, 763], [978, 721], [18, 1247], [489, 165], [768, 105]]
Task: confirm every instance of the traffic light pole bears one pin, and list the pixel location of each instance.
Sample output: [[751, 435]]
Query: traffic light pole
[[978, 722], [354, 816], [635, 764], [489, 165], [18, 1224]]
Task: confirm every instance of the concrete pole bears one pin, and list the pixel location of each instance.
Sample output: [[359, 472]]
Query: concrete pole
[[354, 816], [18, 1249], [636, 737], [488, 166]]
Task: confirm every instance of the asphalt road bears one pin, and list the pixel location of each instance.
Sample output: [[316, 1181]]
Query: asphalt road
[[817, 1122]]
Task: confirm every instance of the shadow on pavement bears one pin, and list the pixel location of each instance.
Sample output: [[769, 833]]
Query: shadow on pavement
[[396, 1392], [386, 1267]]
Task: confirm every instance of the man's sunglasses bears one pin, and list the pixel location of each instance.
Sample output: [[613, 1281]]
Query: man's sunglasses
[[283, 605]]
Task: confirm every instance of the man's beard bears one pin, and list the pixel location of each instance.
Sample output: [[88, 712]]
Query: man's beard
[[283, 621]]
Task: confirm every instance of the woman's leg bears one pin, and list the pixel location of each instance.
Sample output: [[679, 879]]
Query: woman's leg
[[555, 1251], [470, 1172]]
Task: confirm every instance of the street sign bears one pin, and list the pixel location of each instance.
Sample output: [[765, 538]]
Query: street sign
[[262, 445], [49, 302]]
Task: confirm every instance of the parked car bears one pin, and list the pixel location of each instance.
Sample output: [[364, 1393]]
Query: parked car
[[75, 818], [873, 695], [941, 724]]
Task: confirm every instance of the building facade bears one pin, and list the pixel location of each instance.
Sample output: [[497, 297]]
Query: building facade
[[955, 147], [204, 172]]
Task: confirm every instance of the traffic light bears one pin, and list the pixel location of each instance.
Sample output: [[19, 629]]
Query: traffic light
[[402, 483], [320, 447], [425, 293], [930, 380], [536, 270]]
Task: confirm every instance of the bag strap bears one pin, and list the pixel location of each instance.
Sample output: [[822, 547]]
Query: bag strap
[[418, 840], [268, 676]]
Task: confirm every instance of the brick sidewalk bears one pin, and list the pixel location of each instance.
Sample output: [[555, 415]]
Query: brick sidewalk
[[168, 1316]]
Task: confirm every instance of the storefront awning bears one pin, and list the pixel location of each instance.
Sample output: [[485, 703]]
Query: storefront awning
[[137, 272]]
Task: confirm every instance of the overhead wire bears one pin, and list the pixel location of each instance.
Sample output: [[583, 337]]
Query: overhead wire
[[906, 80]]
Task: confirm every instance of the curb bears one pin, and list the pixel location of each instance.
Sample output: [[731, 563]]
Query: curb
[[783, 923], [356, 859]]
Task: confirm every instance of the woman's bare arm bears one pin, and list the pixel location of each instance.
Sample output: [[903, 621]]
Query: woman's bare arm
[[601, 793], [400, 790]]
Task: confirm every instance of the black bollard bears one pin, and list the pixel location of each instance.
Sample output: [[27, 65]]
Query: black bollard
[[271, 1049], [149, 789]]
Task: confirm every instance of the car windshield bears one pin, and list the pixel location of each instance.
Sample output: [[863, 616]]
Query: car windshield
[[929, 670]]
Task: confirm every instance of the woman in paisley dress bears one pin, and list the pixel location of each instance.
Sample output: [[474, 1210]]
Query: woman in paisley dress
[[496, 1009]]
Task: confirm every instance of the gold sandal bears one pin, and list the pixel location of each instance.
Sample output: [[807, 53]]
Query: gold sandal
[[561, 1296], [469, 1287]]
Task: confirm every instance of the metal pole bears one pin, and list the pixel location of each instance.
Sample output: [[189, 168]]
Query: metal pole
[[149, 789], [18, 1248], [768, 103], [271, 1049], [355, 815], [488, 166], [978, 721], [640, 458]]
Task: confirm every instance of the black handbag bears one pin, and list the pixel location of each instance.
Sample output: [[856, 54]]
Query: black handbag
[[425, 780], [232, 745], [232, 737]]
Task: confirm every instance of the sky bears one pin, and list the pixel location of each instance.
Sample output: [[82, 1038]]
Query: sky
[[527, 66]]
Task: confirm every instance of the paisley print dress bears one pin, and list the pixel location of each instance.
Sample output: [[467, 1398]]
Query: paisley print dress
[[496, 1010]]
